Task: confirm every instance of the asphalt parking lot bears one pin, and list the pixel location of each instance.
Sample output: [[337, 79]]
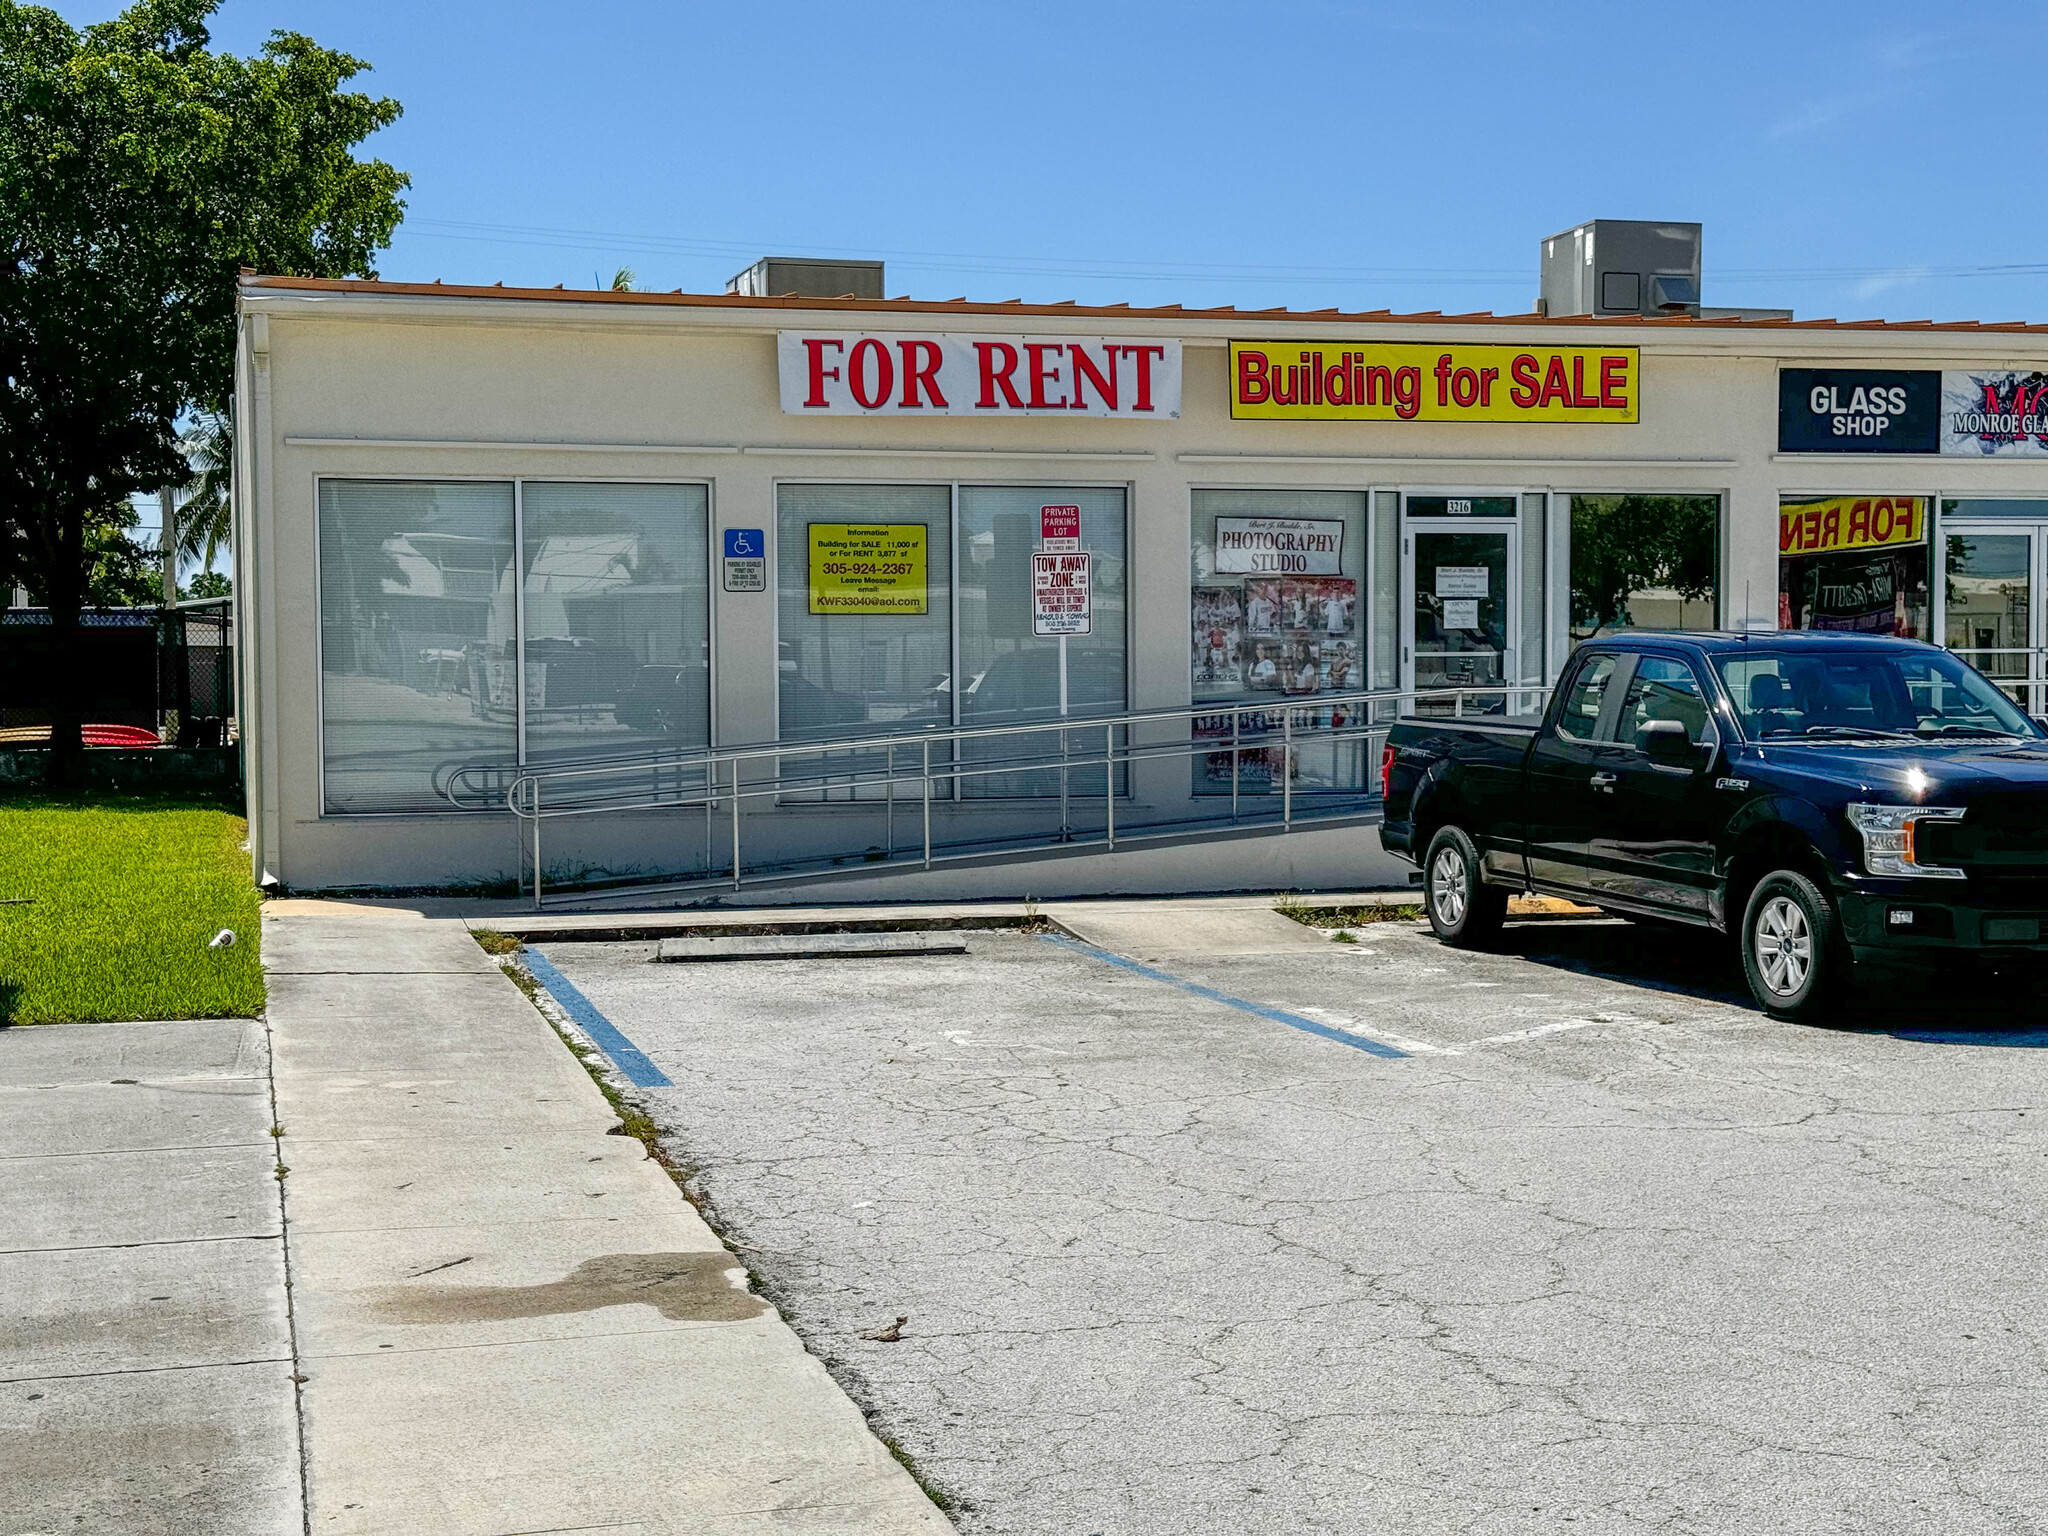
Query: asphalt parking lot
[[1184, 1246]]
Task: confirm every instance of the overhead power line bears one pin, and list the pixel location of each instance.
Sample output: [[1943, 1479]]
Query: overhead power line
[[982, 264]]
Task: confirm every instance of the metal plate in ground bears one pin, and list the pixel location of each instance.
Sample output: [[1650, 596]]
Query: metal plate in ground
[[809, 946]]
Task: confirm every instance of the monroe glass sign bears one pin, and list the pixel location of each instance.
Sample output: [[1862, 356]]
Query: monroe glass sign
[[858, 373], [1278, 546], [1995, 413]]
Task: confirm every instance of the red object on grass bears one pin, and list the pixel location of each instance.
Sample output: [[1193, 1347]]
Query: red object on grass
[[94, 735], [120, 736]]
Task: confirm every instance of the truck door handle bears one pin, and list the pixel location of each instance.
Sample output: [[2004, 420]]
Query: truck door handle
[[1603, 781]]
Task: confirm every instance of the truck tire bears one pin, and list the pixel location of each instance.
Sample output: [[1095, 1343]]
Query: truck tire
[[1793, 956], [1464, 911]]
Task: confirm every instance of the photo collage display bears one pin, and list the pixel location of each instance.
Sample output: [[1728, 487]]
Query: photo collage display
[[1278, 634]]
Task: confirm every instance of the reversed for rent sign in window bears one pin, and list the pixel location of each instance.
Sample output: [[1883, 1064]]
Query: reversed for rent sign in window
[[1060, 595]]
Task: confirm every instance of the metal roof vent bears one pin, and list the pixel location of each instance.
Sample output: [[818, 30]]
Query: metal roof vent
[[776, 276], [1670, 292]]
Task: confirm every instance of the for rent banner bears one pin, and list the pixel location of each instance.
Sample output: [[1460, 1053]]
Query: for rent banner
[[1828, 524], [1424, 381], [857, 373]]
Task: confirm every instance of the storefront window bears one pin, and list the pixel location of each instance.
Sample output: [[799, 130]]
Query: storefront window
[[1012, 676], [1277, 618], [1645, 562], [865, 584], [616, 617], [420, 660], [1855, 563], [417, 659], [1995, 591]]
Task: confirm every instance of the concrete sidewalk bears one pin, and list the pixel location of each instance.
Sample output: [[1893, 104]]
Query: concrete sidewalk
[[508, 1319], [145, 1347]]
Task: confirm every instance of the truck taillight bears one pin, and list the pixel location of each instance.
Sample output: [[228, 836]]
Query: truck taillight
[[1386, 770]]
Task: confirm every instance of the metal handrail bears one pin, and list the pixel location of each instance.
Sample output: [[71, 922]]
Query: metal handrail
[[712, 778], [504, 790]]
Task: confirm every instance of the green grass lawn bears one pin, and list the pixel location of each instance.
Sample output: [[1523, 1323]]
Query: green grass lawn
[[109, 902]]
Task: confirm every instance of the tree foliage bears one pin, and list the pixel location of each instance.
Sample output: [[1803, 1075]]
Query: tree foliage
[[1625, 545], [139, 172]]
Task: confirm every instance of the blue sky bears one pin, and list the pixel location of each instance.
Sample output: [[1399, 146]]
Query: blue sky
[[1864, 160]]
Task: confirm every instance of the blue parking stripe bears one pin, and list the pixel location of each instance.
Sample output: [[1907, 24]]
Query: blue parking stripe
[[625, 1055], [1277, 1015]]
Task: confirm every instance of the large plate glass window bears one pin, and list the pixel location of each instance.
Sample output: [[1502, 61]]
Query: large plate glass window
[[616, 618], [418, 666], [1643, 561], [1278, 619], [1009, 673], [865, 618], [1855, 563], [1995, 592]]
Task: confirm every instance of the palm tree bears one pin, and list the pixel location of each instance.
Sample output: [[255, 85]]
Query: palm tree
[[205, 522]]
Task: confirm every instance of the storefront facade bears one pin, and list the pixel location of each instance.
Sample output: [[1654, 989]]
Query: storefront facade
[[480, 525]]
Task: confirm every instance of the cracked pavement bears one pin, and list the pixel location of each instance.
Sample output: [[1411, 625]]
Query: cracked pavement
[[1609, 1250]]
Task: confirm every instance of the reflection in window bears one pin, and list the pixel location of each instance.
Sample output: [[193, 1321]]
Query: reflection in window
[[617, 618], [416, 644], [1580, 716], [1009, 676], [1645, 562], [1663, 689], [1988, 617]]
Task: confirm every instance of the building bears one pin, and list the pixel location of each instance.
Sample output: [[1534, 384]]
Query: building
[[480, 527]]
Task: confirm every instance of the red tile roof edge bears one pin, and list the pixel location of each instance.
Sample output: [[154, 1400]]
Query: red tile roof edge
[[1069, 309]]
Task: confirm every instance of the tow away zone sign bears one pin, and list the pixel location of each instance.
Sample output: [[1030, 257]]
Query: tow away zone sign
[[1060, 595]]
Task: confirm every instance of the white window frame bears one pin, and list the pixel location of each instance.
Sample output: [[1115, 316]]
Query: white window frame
[[518, 484], [953, 486]]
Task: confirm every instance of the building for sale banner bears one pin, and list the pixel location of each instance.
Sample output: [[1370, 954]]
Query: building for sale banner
[[482, 531]]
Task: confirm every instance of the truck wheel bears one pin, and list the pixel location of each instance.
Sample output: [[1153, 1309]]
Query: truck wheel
[[1465, 912], [1792, 952]]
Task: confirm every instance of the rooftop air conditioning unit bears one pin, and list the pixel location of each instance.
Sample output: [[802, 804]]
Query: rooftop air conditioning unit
[[777, 276], [1622, 267]]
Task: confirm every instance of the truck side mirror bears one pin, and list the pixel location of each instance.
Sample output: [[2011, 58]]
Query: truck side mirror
[[1665, 741]]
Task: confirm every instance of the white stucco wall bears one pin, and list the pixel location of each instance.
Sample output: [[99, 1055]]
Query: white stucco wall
[[358, 382]]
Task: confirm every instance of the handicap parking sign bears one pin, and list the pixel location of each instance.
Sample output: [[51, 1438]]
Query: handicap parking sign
[[746, 560]]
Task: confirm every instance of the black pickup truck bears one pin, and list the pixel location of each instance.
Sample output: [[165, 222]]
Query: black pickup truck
[[1833, 801]]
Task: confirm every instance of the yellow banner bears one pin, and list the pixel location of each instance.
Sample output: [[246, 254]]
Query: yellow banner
[[1425, 381], [1831, 523], [867, 568]]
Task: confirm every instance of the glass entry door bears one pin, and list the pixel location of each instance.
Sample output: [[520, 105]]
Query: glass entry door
[[1460, 604], [1993, 609]]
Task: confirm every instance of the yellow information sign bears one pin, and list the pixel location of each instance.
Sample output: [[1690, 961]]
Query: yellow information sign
[[868, 568], [1431, 381], [1829, 523]]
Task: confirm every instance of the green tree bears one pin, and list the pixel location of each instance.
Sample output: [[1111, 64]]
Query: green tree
[[139, 173], [1622, 545]]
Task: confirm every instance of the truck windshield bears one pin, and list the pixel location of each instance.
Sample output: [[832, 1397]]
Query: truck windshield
[[1926, 695]]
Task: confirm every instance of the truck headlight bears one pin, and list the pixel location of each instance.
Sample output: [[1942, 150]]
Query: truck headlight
[[1887, 832]]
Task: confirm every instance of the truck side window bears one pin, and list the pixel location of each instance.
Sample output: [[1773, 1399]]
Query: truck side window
[[1580, 717], [1663, 689]]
